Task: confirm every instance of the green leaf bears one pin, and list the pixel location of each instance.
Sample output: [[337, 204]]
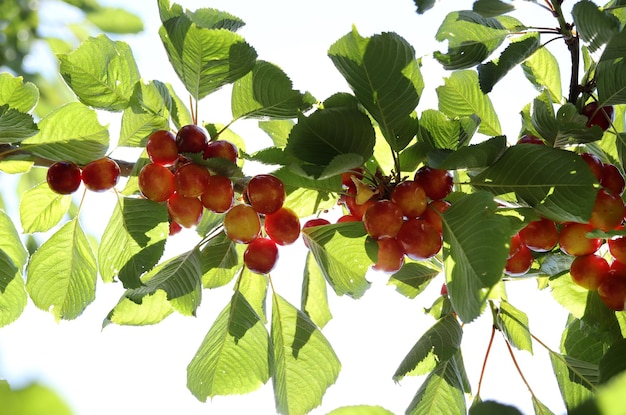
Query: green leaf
[[233, 357], [339, 250], [314, 296], [266, 91], [11, 243], [214, 19], [13, 296], [385, 77], [115, 20], [594, 26], [611, 72], [557, 183], [319, 139], [307, 196], [133, 241], [15, 125], [17, 94], [62, 273], [101, 72], [567, 127], [542, 70], [31, 400], [474, 156], [305, 364], [461, 96], [442, 392], [475, 248], [179, 112], [471, 38], [424, 5], [41, 208], [540, 408], [360, 410], [438, 344], [220, 259], [152, 310], [278, 130], [580, 341], [576, 379], [493, 407], [441, 132], [205, 59], [612, 362], [72, 133], [492, 8], [413, 278], [149, 111], [17, 164], [609, 399], [514, 325], [517, 52], [570, 295]]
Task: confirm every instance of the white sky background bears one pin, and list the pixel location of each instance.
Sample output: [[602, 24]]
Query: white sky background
[[143, 369]]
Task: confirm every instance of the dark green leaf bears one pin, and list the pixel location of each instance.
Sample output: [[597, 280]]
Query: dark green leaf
[[314, 296], [214, 19], [441, 132], [611, 72], [492, 8], [15, 126], [385, 77], [594, 26], [413, 278], [581, 342], [567, 127], [557, 183], [424, 5], [478, 155], [493, 407], [613, 362]]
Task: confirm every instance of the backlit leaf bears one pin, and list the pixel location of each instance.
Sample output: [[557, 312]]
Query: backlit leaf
[[492, 8], [514, 324], [13, 296], [314, 296], [149, 111], [611, 72], [115, 20], [11, 242], [360, 410], [17, 94], [413, 278], [441, 132], [15, 125], [594, 26], [541, 69], [612, 362], [576, 379], [41, 208], [482, 154], [220, 259], [152, 310]]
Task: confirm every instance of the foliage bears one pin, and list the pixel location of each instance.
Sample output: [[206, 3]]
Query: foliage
[[499, 188]]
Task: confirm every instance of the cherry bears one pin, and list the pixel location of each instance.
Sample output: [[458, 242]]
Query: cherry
[[514, 244], [222, 149], [187, 211], [600, 116], [219, 195], [311, 223], [589, 271], [390, 255], [573, 239], [444, 289], [161, 148], [411, 198], [355, 209], [266, 193], [242, 223], [595, 164], [191, 139], [174, 227], [156, 182], [437, 183], [101, 175], [530, 139], [520, 262], [540, 235], [383, 219], [612, 179], [618, 267], [346, 177], [433, 212], [612, 291], [608, 211], [283, 226], [64, 177], [192, 180], [617, 248], [261, 255], [419, 239], [348, 218]]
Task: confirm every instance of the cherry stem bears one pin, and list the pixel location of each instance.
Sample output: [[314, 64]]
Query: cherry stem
[[519, 370], [482, 372]]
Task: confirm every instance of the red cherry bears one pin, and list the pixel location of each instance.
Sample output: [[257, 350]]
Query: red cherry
[[514, 244], [266, 193], [161, 148], [175, 227], [283, 226], [156, 182], [221, 149], [589, 271], [187, 211], [101, 175], [540, 235], [595, 164], [311, 223], [419, 239], [192, 180], [612, 291], [612, 179], [346, 177], [608, 211], [348, 218], [600, 116], [437, 183], [191, 139], [64, 177], [433, 212], [390, 255], [219, 195], [573, 239], [410, 198], [520, 262], [383, 219], [261, 255], [242, 224], [530, 139]]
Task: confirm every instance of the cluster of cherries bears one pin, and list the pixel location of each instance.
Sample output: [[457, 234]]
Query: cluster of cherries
[[189, 187], [589, 269], [65, 177]]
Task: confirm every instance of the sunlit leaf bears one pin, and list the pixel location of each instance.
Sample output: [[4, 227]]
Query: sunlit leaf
[[220, 259], [41, 208], [542, 70], [314, 296], [492, 8], [576, 379], [61, 276], [152, 310], [17, 94], [594, 26], [149, 111], [611, 72], [32, 399], [413, 278], [307, 196], [11, 243], [13, 296], [360, 410], [514, 324], [540, 408], [565, 127], [580, 341], [441, 132], [115, 20], [15, 125]]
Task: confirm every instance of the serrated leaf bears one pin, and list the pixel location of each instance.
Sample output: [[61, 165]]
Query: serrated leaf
[[542, 70], [594, 26], [62, 273], [461, 96], [607, 401], [41, 208], [133, 241], [442, 392], [205, 59], [570, 295], [475, 239], [152, 310], [540, 408], [438, 344], [233, 357], [307, 196], [557, 183], [385, 77], [17, 94], [305, 364], [314, 300], [514, 325], [148, 111], [72, 133], [517, 52], [318, 139], [474, 156], [220, 259], [565, 127], [101, 72], [179, 277], [214, 19], [413, 278], [15, 125], [266, 91], [13, 297], [340, 252], [492, 8], [576, 379], [115, 20], [11, 243], [580, 341], [441, 132], [360, 410], [611, 72]]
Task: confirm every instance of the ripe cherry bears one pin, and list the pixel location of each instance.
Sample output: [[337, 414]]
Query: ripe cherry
[[266, 193], [242, 223], [355, 209], [346, 177], [390, 255], [419, 239], [261, 255], [530, 139], [540, 235], [600, 116], [222, 149], [573, 239], [437, 183], [589, 271], [311, 223], [348, 218], [433, 212], [608, 211], [612, 291], [192, 180], [617, 248], [283, 226], [383, 219], [520, 262], [410, 198], [187, 211], [612, 179], [191, 139], [156, 182], [514, 244], [219, 195], [64, 177], [161, 148], [174, 227], [101, 175], [595, 164]]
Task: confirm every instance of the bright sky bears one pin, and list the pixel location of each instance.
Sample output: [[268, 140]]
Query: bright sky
[[143, 370]]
